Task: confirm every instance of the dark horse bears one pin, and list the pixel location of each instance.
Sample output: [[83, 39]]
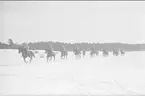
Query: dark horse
[[93, 52], [50, 54], [64, 54], [105, 53], [77, 53], [26, 53], [115, 52], [122, 52]]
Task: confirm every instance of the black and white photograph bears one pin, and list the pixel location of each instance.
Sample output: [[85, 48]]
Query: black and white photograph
[[72, 48]]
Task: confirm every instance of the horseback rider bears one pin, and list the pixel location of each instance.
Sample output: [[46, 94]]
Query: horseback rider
[[62, 48], [50, 49], [122, 51], [104, 51], [25, 46], [116, 52]]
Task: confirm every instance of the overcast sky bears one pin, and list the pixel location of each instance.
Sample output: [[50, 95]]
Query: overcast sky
[[72, 21]]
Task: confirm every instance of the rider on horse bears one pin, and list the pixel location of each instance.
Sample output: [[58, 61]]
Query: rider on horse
[[62, 48], [26, 47], [50, 49]]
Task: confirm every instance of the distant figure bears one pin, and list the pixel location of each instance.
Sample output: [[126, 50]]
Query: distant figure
[[26, 53], [122, 52], [49, 49], [26, 46], [93, 52], [77, 53], [50, 53], [64, 53], [105, 52], [115, 52]]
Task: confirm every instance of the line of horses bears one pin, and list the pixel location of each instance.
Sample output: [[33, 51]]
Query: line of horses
[[50, 54]]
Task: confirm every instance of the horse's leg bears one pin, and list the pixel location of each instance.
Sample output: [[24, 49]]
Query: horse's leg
[[61, 56], [50, 58], [65, 56], [25, 59], [30, 59], [47, 58]]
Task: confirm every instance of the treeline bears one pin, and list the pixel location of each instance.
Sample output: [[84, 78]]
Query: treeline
[[69, 46]]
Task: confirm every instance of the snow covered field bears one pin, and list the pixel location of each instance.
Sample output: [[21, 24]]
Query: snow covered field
[[90, 76]]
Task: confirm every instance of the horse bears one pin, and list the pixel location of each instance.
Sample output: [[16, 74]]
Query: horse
[[115, 52], [26, 53], [64, 54], [50, 54], [94, 53], [77, 53], [105, 53], [122, 52]]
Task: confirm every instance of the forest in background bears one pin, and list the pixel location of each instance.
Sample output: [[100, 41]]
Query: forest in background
[[69, 46]]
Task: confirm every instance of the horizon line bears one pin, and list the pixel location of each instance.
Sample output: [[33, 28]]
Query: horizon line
[[71, 42]]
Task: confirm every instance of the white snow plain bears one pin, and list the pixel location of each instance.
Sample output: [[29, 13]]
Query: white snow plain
[[112, 75]]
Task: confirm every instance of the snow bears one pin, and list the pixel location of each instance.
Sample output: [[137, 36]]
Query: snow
[[91, 76]]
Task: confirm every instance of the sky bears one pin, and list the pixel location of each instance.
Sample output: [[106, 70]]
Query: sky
[[73, 21]]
